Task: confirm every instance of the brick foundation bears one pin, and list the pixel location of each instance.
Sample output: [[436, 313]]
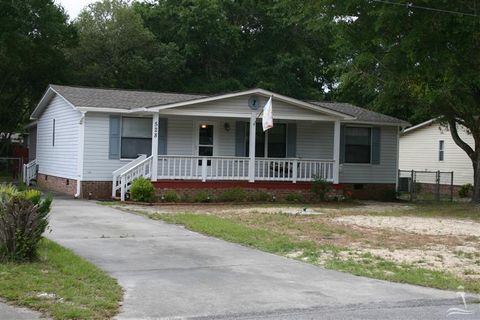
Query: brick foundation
[[57, 184], [99, 190], [370, 191]]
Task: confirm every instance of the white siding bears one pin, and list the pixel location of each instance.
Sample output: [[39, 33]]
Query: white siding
[[59, 159], [96, 165], [419, 151], [238, 107], [385, 172], [315, 140]]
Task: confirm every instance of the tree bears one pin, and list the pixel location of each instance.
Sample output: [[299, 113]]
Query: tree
[[32, 36], [412, 62], [232, 45], [116, 50]]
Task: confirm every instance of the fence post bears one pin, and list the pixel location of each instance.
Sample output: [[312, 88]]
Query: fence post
[[437, 195], [451, 186]]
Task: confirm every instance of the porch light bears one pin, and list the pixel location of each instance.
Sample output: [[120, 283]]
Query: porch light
[[203, 126]]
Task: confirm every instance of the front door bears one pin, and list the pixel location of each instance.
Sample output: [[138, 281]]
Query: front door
[[206, 140]]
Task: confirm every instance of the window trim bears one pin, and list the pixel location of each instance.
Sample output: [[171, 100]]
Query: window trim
[[441, 150], [371, 149], [121, 135]]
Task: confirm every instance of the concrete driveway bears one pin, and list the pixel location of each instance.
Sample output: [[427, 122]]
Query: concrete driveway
[[170, 272]]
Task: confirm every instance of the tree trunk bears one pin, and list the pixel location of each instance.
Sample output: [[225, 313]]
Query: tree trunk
[[476, 179]]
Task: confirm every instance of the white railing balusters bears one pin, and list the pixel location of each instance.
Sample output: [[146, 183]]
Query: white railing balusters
[[123, 177], [30, 171]]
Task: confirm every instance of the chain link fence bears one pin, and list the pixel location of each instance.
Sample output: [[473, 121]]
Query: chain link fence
[[425, 185]]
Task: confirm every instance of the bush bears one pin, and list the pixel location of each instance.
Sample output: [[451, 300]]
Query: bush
[[321, 187], [170, 196], [260, 196], [202, 197], [466, 190], [233, 195], [142, 190], [23, 219], [295, 197]]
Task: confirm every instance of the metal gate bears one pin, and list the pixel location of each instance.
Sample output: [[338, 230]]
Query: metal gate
[[425, 185]]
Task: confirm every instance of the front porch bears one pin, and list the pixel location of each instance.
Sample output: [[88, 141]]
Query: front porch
[[196, 168]]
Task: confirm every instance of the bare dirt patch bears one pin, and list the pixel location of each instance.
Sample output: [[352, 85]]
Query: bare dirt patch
[[418, 225]]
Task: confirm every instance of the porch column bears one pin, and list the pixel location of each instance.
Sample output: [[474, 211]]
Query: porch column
[[336, 152], [154, 147], [251, 148]]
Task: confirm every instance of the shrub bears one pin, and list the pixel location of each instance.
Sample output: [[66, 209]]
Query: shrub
[[321, 187], [170, 196], [466, 190], [260, 196], [202, 196], [233, 195], [295, 197], [142, 190], [23, 219]]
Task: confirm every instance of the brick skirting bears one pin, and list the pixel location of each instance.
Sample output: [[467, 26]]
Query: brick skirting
[[57, 184], [370, 191], [101, 190]]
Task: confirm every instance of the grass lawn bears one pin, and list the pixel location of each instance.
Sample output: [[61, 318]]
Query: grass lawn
[[322, 240], [60, 285]]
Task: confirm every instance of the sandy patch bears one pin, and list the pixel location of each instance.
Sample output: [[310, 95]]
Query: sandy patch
[[427, 226]]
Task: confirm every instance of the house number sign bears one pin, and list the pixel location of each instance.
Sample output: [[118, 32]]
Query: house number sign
[[155, 129]]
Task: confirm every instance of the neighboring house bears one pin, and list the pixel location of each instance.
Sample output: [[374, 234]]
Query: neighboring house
[[93, 142], [429, 146]]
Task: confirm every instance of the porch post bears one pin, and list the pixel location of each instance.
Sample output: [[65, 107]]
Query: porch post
[[251, 148], [336, 152], [154, 147]]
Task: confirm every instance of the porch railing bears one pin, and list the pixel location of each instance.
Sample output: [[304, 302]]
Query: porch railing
[[30, 171], [142, 167], [202, 168], [285, 169], [236, 168]]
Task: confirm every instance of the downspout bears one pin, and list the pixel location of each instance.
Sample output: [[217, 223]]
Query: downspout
[[81, 145]]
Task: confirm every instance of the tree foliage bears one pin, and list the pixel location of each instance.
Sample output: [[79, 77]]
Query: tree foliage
[[116, 50], [413, 63], [33, 35]]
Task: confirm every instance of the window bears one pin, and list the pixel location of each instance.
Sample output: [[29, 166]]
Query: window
[[358, 143], [136, 137], [441, 150], [53, 133], [275, 139]]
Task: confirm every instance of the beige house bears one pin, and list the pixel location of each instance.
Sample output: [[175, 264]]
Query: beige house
[[429, 146]]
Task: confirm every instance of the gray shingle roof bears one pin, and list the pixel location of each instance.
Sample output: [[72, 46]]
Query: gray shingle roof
[[119, 99], [360, 113], [131, 99]]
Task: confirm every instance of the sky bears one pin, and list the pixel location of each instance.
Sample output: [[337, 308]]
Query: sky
[[73, 7]]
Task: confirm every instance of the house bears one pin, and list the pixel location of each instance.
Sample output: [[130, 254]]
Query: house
[[429, 146], [93, 142]]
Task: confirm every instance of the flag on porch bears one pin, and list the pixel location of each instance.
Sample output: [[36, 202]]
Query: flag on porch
[[267, 119]]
